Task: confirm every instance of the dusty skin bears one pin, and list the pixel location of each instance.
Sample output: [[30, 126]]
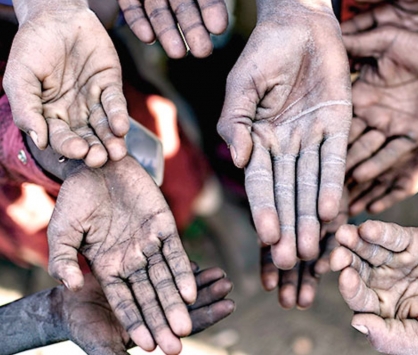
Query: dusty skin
[[161, 19], [86, 318], [298, 287], [118, 219], [286, 119], [63, 80], [385, 96], [389, 188], [379, 269]]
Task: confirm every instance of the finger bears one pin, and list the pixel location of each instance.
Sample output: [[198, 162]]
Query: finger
[[115, 146], [165, 28], [375, 191], [204, 317], [64, 242], [384, 159], [388, 235], [307, 288], [171, 302], [24, 93], [115, 107], [393, 196], [288, 287], [97, 154], [126, 310], [191, 24], [66, 142], [307, 192], [332, 171], [374, 254], [179, 266], [364, 147], [260, 192], [356, 294], [208, 276], [215, 15], [357, 128], [268, 271], [135, 17], [370, 43], [238, 111], [212, 293], [389, 336]]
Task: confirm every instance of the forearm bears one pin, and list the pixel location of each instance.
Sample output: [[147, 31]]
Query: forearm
[[25, 9], [32, 322], [265, 7]]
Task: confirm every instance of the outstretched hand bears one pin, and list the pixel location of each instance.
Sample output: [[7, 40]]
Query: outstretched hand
[[171, 21], [117, 217], [378, 263], [385, 95], [63, 80], [286, 119], [91, 324]]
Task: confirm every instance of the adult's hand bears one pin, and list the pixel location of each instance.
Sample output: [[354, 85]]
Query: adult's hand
[[298, 287], [170, 21], [378, 263], [117, 217], [286, 118], [385, 94], [63, 80]]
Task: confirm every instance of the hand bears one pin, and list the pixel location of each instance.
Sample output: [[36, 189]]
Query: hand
[[158, 19], [389, 188], [298, 287], [117, 217], [286, 118], [378, 263], [92, 325], [384, 97], [63, 78]]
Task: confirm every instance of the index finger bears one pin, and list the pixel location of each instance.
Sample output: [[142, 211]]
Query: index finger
[[215, 15]]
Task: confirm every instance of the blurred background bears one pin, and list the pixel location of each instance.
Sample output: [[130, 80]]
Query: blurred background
[[206, 194]]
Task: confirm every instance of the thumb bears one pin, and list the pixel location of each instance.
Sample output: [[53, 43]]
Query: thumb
[[237, 116], [64, 242], [390, 336], [370, 43], [23, 89]]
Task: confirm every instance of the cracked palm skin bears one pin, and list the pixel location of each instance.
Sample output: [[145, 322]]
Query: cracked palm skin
[[379, 270], [286, 119], [93, 326], [118, 219], [64, 82], [161, 19], [385, 94]]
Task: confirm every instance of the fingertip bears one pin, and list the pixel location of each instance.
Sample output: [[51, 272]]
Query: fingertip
[[72, 148], [72, 279], [267, 226], [119, 123], [287, 297], [340, 258], [96, 157], [143, 338], [116, 148], [328, 207], [284, 256], [216, 20], [188, 291]]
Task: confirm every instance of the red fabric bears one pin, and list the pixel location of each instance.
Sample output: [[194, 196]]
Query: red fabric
[[350, 8]]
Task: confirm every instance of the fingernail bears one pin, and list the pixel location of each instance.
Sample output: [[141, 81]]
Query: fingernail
[[34, 137], [361, 329], [66, 284]]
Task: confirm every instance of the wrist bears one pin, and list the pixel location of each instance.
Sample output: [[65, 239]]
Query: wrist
[[281, 7], [28, 9]]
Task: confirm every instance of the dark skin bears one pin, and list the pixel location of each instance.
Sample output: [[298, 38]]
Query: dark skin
[[379, 268], [118, 219], [286, 119], [65, 85], [86, 318], [158, 19], [298, 287], [385, 94]]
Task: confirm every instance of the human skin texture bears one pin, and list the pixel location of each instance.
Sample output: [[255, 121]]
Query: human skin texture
[[385, 97], [161, 19], [286, 119], [389, 188], [379, 268], [298, 287], [64, 83], [86, 318], [118, 219]]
